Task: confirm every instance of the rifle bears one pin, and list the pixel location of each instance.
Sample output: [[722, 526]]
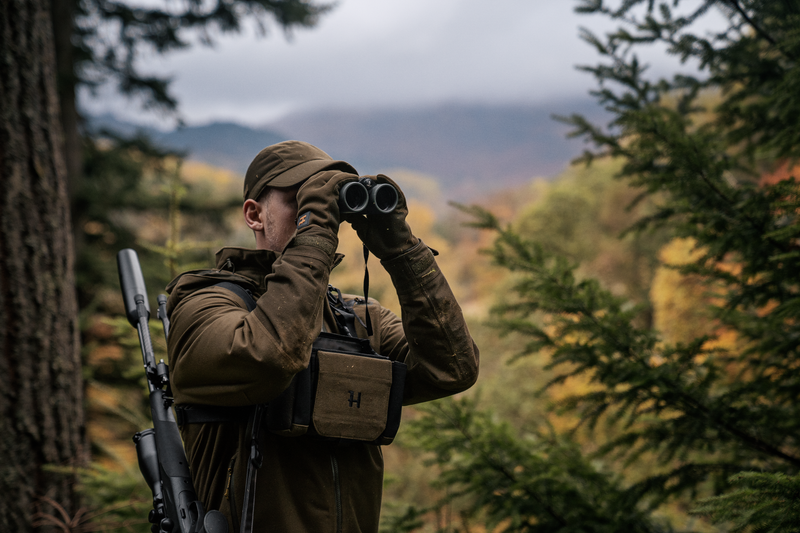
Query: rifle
[[162, 459]]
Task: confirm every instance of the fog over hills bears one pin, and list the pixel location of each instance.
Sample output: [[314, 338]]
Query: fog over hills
[[468, 149], [222, 144]]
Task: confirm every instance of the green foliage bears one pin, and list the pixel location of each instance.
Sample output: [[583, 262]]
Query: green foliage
[[108, 35], [120, 501], [175, 248], [130, 187], [113, 501], [752, 62], [115, 171], [705, 418], [523, 479], [766, 502], [706, 168], [405, 521], [584, 214], [674, 401]]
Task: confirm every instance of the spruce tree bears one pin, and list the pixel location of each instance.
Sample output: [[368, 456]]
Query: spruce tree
[[713, 151]]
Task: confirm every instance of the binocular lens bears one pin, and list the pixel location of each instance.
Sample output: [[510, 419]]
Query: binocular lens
[[367, 198], [384, 197], [353, 198]]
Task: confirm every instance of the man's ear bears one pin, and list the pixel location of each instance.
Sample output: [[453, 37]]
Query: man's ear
[[252, 215]]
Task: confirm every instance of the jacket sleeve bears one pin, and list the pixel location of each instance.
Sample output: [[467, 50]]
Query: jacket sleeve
[[433, 339], [221, 354]]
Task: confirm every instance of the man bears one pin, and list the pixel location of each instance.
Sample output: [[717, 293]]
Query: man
[[225, 356]]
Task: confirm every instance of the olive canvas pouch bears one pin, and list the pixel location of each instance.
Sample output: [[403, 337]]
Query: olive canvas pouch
[[352, 396], [347, 392]]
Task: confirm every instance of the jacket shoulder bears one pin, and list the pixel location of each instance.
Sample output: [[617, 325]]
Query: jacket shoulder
[[192, 281]]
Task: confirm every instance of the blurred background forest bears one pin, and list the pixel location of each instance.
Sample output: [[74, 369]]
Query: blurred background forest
[[636, 311]]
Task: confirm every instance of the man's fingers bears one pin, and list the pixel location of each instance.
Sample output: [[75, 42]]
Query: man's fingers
[[359, 222]]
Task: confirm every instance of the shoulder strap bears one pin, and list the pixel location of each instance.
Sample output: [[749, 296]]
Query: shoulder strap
[[254, 423], [256, 459], [241, 292]]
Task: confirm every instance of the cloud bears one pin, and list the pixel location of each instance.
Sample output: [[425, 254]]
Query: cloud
[[387, 53]]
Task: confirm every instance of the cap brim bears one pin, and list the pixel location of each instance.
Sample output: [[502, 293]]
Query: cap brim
[[305, 170]]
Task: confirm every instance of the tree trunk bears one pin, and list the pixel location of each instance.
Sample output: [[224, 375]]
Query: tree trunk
[[41, 399], [63, 17]]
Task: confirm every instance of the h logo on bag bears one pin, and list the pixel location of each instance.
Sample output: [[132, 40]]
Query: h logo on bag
[[354, 400]]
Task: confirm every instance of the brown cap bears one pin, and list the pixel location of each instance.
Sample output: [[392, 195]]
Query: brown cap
[[286, 164]]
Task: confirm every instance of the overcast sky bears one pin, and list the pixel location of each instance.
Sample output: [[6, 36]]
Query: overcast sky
[[383, 53]]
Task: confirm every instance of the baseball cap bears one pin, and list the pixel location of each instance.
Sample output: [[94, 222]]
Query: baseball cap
[[286, 164]]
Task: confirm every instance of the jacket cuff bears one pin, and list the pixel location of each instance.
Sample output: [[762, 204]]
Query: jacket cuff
[[314, 245], [413, 268]]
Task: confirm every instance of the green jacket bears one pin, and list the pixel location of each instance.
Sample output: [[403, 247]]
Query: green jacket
[[221, 354]]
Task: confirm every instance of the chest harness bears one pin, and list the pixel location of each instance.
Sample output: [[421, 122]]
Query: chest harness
[[348, 393]]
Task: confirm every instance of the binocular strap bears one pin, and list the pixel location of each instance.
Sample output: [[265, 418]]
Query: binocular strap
[[366, 292]]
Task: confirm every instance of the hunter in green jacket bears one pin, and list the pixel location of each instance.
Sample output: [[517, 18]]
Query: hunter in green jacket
[[221, 354]]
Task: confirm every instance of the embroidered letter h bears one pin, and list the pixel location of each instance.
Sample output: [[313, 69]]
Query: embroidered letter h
[[354, 400]]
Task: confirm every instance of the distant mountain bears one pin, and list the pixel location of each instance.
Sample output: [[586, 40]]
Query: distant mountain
[[468, 149], [480, 147], [222, 144]]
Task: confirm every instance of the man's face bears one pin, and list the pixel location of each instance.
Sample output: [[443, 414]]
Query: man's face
[[280, 213]]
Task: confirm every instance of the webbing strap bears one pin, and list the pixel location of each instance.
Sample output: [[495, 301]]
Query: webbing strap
[[366, 291], [239, 291], [256, 459], [345, 317]]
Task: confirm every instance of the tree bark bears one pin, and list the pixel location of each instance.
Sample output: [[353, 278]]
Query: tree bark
[[41, 398], [63, 17]]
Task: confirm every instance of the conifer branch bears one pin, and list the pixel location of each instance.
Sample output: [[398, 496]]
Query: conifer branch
[[739, 9]]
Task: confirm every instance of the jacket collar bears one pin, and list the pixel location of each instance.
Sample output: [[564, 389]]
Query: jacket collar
[[252, 264]]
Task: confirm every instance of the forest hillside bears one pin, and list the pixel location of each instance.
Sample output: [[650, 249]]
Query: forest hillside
[[638, 316], [581, 213]]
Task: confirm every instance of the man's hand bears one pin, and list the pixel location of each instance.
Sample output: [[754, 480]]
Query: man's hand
[[386, 236], [317, 201], [318, 210]]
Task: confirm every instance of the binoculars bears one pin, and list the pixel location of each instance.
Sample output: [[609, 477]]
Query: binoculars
[[367, 197]]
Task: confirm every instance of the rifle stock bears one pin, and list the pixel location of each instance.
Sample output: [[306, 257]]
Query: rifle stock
[[162, 459]]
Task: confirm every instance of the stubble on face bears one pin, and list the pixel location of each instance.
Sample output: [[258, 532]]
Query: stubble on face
[[280, 214]]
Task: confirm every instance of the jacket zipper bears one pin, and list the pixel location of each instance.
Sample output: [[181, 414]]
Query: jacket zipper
[[338, 492]]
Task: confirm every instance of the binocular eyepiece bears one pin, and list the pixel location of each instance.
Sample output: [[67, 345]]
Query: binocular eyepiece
[[367, 197]]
